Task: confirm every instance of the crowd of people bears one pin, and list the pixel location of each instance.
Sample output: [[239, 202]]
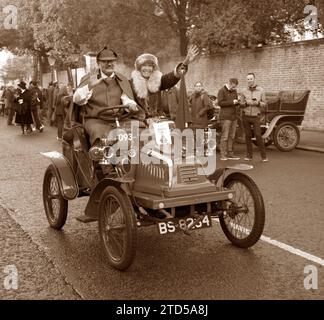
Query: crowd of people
[[247, 104], [34, 107]]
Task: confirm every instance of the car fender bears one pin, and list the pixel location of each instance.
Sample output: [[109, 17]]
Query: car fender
[[220, 173], [66, 178], [217, 175], [92, 209], [274, 122]]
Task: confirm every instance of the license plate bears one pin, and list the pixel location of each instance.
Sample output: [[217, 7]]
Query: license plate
[[176, 225]]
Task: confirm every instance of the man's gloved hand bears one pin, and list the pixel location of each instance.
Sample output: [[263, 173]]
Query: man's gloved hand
[[132, 107]]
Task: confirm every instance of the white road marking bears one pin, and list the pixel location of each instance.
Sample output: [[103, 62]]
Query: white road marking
[[293, 250], [286, 247]]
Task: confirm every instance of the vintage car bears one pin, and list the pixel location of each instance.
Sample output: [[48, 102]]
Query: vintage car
[[167, 193], [281, 120]]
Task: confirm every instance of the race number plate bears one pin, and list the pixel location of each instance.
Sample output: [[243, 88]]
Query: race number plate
[[176, 225]]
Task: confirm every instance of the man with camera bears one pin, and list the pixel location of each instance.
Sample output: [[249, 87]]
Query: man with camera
[[228, 101], [253, 101]]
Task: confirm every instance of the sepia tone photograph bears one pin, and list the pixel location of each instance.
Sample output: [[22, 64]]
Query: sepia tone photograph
[[161, 150]]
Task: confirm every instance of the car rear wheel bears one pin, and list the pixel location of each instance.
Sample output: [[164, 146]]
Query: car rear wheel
[[286, 136], [56, 207], [117, 228], [243, 218]]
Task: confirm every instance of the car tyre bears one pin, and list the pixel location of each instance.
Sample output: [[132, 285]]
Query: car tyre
[[56, 207], [286, 136], [117, 228], [237, 226]]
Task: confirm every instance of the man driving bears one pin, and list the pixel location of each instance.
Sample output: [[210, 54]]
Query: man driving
[[102, 91]]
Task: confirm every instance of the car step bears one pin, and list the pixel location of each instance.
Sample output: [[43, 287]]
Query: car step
[[86, 219]]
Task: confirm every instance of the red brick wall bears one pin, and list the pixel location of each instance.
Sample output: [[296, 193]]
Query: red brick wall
[[286, 67]]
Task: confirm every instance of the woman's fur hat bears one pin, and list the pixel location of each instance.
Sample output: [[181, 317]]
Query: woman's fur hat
[[143, 86], [146, 58]]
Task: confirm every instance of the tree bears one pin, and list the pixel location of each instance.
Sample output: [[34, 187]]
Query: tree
[[79, 26], [17, 68], [229, 24], [67, 28], [21, 40], [180, 15]]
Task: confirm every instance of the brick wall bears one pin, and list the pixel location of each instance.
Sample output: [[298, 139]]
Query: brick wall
[[294, 66]]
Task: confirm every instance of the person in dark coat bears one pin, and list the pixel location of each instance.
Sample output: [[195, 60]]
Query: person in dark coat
[[49, 100], [23, 106], [228, 101], [43, 113], [200, 104], [57, 88], [147, 81], [37, 104]]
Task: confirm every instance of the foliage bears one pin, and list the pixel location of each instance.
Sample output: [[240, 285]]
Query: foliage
[[232, 24], [74, 27], [17, 67]]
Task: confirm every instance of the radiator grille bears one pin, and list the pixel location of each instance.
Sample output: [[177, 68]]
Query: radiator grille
[[188, 174], [154, 171]]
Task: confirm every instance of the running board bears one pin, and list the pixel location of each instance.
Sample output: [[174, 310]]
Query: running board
[[86, 219]]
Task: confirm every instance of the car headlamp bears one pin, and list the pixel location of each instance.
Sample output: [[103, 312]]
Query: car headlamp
[[97, 153], [109, 153]]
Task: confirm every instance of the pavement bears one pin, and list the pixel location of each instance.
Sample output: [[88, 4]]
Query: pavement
[[311, 141], [36, 277]]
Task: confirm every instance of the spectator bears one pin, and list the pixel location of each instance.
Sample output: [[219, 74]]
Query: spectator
[[200, 104], [253, 100], [9, 103], [228, 101], [23, 104], [36, 104], [2, 103], [50, 95], [43, 107], [56, 91]]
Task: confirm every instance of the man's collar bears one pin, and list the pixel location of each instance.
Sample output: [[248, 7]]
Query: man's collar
[[227, 87], [104, 76], [253, 87]]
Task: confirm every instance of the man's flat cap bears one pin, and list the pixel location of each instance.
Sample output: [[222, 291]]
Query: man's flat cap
[[106, 54]]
